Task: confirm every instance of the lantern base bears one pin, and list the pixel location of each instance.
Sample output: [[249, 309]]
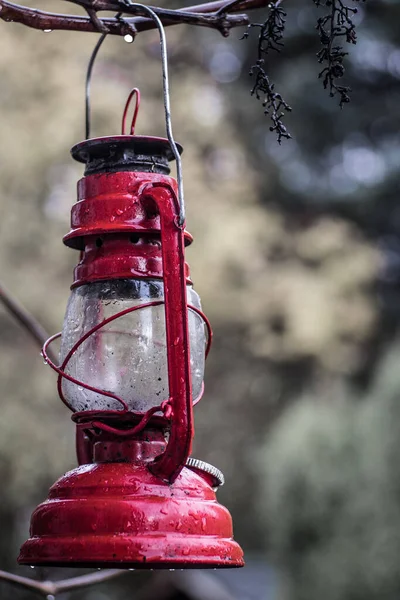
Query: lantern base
[[120, 515]]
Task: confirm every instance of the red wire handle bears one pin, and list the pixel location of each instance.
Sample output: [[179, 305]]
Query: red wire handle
[[134, 92], [133, 430], [63, 375]]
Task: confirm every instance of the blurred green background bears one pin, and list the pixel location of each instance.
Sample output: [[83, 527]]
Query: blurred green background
[[297, 261]]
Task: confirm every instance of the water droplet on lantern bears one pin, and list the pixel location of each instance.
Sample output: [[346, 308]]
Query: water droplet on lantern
[[47, 30], [128, 38]]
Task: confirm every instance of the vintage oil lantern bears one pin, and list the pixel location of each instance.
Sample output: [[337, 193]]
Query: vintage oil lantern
[[133, 347]]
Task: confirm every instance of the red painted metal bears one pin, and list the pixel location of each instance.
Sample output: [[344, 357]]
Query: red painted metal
[[113, 203], [119, 514], [132, 502], [171, 462], [124, 255], [162, 198], [112, 511]]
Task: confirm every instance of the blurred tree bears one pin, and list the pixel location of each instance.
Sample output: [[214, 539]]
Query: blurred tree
[[331, 492]]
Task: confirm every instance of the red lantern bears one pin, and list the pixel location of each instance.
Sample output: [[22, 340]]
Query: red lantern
[[132, 359]]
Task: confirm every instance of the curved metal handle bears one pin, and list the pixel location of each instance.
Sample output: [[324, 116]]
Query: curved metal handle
[[170, 463], [167, 104]]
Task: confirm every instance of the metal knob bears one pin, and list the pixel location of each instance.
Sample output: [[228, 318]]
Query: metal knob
[[200, 465]]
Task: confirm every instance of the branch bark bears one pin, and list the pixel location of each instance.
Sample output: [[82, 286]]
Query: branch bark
[[24, 318], [216, 15], [52, 588]]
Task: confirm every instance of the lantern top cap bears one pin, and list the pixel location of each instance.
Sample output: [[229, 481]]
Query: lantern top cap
[[124, 153]]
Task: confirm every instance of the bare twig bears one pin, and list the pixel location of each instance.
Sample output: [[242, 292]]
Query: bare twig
[[336, 25], [206, 15], [52, 588], [270, 38], [97, 24], [28, 322]]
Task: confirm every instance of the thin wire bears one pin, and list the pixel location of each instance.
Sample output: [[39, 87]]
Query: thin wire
[[89, 80], [167, 106]]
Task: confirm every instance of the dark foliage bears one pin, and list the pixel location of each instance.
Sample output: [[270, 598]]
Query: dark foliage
[[337, 23], [270, 38]]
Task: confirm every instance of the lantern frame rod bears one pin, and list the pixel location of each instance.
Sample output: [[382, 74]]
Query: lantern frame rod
[[51, 361]]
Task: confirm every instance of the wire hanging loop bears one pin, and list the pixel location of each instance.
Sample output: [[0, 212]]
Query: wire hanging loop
[[167, 104], [88, 81], [135, 92], [166, 95]]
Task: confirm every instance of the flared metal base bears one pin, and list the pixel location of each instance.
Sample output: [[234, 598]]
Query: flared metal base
[[121, 515]]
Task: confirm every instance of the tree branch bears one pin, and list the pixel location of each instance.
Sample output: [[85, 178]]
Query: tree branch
[[211, 15], [28, 322], [52, 588]]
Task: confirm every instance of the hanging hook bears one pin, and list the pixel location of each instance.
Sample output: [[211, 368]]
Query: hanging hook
[[134, 92], [167, 105]]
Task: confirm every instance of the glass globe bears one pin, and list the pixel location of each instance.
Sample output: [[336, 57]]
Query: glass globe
[[127, 356]]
